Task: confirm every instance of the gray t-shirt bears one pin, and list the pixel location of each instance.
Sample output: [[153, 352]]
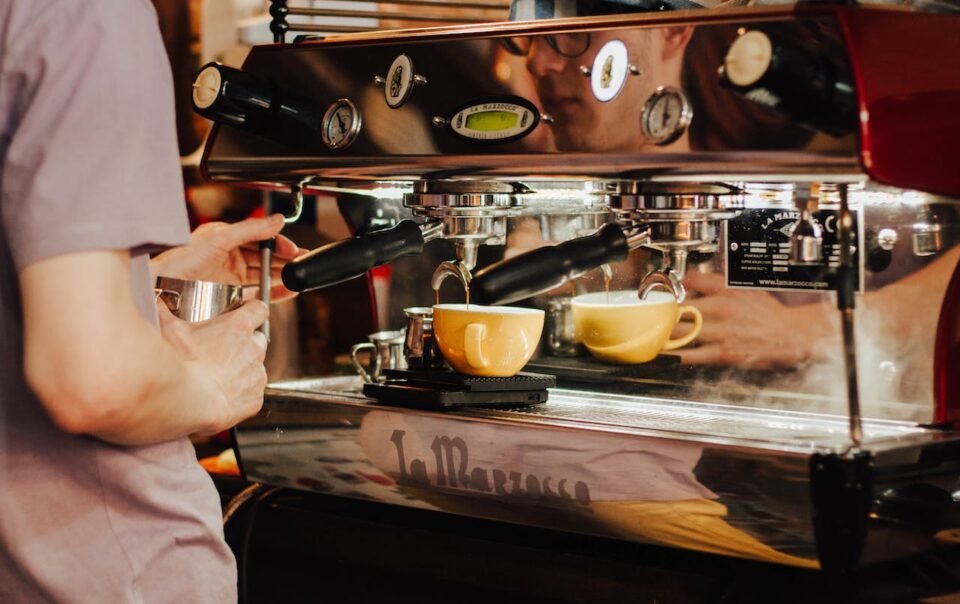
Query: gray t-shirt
[[89, 162]]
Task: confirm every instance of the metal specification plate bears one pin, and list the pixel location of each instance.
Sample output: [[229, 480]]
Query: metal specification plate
[[758, 251]]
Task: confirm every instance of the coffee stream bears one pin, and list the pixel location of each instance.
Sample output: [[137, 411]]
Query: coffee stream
[[466, 290], [607, 271]]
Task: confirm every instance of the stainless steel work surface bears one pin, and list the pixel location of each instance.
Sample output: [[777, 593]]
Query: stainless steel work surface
[[580, 410]]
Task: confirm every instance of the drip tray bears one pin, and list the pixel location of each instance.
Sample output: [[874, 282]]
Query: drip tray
[[665, 368], [438, 389]]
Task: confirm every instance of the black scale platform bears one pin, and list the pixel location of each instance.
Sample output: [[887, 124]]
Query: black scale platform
[[444, 389], [585, 370]]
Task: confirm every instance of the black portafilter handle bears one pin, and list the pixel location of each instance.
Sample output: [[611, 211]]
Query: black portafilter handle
[[348, 258], [547, 267]]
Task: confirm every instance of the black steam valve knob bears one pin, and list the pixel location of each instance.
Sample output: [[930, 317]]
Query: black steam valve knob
[[229, 95], [225, 94], [800, 83]]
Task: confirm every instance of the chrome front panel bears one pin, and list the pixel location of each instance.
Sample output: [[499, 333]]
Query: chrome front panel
[[579, 134], [697, 476]]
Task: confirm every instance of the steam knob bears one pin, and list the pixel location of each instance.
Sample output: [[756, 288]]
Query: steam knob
[[806, 241], [927, 235], [229, 95], [748, 58], [207, 87], [223, 93], [807, 86]]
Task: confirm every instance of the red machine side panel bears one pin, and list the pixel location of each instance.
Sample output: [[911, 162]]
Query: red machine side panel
[[907, 71]]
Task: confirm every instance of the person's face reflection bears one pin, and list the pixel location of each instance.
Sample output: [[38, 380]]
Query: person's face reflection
[[582, 123], [564, 92]]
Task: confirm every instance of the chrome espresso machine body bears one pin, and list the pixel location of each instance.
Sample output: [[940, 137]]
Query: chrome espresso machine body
[[803, 159]]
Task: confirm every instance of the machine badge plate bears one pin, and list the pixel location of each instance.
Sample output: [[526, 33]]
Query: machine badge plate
[[399, 82], [341, 124], [609, 71], [665, 115], [496, 120], [758, 252]]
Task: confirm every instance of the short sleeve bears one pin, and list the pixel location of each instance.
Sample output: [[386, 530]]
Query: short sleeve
[[92, 163]]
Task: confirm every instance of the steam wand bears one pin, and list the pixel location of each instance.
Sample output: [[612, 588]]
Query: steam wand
[[846, 288], [266, 253]]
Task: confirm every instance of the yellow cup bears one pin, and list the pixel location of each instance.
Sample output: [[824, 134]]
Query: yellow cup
[[625, 329], [491, 341]]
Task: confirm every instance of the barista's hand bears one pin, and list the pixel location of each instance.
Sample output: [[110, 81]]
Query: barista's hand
[[227, 350], [752, 329], [228, 253], [524, 237]]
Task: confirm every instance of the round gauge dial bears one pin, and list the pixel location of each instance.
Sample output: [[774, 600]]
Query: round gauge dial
[[341, 124], [665, 115]]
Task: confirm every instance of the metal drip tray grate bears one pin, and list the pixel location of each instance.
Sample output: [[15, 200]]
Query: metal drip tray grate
[[786, 429]]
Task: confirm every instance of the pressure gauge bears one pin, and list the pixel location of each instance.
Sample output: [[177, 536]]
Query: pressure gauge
[[665, 115], [341, 124]]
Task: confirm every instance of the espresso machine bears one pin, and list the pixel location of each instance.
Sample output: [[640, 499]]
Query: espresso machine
[[792, 170]]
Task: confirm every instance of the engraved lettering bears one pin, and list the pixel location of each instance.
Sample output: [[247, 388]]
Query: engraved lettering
[[582, 493], [515, 482], [533, 486], [499, 480], [418, 472], [451, 456], [479, 481], [397, 439], [457, 474], [546, 488]]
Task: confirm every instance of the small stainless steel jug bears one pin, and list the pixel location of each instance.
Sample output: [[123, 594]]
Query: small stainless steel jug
[[420, 347], [386, 352]]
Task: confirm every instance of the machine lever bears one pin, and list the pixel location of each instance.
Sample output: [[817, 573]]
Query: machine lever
[[547, 267], [348, 258]]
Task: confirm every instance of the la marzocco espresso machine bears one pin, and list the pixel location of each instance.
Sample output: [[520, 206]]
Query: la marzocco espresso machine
[[792, 171]]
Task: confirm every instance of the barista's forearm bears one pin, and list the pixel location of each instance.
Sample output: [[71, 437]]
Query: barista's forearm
[[97, 366], [168, 397]]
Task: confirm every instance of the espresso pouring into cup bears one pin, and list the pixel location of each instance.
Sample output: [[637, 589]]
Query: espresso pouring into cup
[[625, 329]]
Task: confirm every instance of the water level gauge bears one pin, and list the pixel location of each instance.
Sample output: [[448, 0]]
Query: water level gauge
[[341, 124], [497, 120]]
